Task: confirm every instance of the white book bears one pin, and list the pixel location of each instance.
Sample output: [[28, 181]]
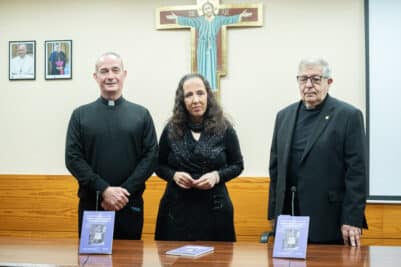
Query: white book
[[190, 251]]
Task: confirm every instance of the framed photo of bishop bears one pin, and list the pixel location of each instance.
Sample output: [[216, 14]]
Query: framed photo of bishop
[[22, 60], [58, 59]]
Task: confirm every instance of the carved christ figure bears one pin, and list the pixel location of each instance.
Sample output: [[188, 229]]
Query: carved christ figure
[[208, 25]]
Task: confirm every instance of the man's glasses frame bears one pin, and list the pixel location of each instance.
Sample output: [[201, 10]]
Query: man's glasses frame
[[315, 79]]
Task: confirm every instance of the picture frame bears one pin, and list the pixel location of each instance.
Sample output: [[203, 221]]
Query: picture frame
[[58, 59], [22, 60]]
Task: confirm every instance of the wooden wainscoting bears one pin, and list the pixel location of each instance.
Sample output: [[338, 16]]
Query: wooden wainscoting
[[38, 205], [46, 205]]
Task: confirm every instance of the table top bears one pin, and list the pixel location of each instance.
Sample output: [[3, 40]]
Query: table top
[[64, 252]]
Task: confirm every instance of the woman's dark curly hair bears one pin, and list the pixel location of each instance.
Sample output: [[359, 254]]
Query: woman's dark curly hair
[[213, 119]]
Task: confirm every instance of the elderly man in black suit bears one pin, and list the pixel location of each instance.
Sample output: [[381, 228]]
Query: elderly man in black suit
[[318, 153]]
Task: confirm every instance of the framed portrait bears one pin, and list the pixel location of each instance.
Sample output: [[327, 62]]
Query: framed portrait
[[22, 60], [58, 59]]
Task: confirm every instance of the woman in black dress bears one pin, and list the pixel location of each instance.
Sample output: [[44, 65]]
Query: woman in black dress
[[199, 153]]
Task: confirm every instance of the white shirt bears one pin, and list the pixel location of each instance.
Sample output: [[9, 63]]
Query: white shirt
[[22, 67]]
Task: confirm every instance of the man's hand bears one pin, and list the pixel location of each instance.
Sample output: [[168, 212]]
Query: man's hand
[[114, 198], [173, 16], [207, 181], [245, 14], [351, 235], [183, 180]]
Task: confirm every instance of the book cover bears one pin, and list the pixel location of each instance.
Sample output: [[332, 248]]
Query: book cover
[[97, 232], [291, 237], [190, 251]]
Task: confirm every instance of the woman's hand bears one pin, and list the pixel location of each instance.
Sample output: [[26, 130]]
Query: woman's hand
[[183, 180], [207, 181]]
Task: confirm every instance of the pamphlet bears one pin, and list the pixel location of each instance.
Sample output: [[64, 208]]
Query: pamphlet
[[291, 237], [190, 251], [97, 232]]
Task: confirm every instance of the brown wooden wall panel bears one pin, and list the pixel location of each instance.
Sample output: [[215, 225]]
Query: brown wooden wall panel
[[38, 203], [46, 205], [384, 221], [153, 193], [249, 197]]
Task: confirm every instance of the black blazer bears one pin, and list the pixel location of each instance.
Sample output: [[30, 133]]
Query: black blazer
[[332, 178]]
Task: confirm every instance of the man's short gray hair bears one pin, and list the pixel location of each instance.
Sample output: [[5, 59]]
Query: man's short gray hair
[[109, 54], [312, 62]]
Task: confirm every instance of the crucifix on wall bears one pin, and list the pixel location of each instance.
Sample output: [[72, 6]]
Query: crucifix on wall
[[208, 21]]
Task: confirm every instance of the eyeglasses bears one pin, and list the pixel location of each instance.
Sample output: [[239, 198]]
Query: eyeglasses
[[315, 79]]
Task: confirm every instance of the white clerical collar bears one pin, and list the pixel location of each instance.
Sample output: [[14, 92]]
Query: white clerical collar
[[111, 102]]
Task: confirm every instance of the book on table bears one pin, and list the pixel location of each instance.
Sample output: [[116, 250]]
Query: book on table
[[190, 251], [291, 237], [97, 232]]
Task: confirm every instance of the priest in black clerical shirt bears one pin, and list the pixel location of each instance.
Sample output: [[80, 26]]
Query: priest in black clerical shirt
[[318, 157], [112, 150]]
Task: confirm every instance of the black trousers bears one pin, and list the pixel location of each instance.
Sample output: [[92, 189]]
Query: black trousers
[[128, 221]]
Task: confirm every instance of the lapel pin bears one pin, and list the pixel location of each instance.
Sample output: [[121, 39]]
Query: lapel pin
[[327, 117]]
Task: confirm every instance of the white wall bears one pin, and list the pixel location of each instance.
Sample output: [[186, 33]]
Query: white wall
[[262, 65]]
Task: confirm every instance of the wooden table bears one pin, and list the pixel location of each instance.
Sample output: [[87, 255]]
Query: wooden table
[[64, 252]]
